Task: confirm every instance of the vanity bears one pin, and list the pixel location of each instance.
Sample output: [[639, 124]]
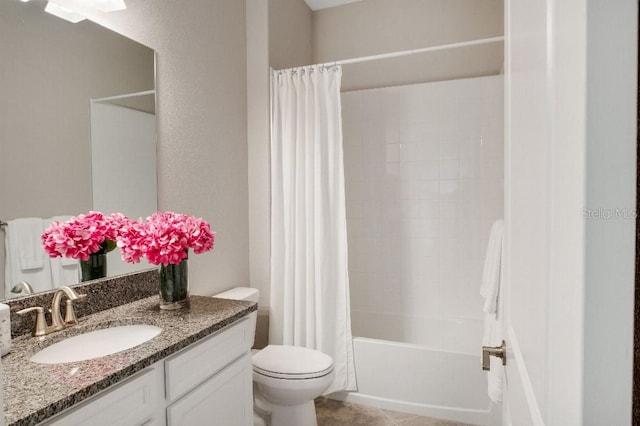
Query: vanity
[[196, 371]]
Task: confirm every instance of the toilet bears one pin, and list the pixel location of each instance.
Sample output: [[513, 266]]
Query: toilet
[[286, 378]]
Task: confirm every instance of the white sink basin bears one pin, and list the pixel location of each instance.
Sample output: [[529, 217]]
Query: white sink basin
[[95, 344]]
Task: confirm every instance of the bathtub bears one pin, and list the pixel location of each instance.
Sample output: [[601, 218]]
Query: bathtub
[[423, 380]]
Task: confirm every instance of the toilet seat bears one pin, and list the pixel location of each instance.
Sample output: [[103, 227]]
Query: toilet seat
[[292, 363], [286, 376]]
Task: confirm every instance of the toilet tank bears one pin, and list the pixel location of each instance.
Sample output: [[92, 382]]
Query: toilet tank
[[240, 293], [243, 293]]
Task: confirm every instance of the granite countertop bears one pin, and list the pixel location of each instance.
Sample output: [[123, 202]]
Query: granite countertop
[[34, 392]]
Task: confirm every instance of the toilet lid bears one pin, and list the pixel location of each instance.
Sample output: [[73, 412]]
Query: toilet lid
[[292, 362]]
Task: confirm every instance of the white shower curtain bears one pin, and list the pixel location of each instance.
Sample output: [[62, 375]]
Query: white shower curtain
[[309, 277]]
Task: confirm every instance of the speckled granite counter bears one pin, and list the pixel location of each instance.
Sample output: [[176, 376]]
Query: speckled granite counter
[[34, 392]]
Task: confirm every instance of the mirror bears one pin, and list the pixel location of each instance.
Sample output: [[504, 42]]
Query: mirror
[[67, 102]]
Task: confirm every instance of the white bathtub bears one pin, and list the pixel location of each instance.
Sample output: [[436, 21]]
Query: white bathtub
[[423, 380]]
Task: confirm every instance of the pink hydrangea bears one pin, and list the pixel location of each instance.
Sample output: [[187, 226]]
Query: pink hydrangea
[[165, 238], [132, 240], [115, 222], [82, 235]]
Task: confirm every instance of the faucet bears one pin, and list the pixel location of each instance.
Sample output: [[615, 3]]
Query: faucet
[[22, 286], [70, 315], [57, 323]]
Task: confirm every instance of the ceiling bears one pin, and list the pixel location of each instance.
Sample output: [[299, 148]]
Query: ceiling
[[323, 4]]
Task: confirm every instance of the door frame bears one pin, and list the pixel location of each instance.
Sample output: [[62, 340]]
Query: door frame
[[636, 304]]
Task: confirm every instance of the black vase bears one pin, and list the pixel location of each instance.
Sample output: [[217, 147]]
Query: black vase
[[174, 286], [94, 268]]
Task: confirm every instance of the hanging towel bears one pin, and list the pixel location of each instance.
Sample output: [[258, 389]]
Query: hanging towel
[[40, 278], [64, 270], [62, 274], [491, 274], [27, 232]]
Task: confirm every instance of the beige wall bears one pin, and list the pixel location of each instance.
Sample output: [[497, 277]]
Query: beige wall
[[289, 33], [258, 151], [278, 35], [381, 26], [202, 128], [50, 70]]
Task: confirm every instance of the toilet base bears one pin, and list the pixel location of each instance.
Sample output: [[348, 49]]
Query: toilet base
[[290, 398], [294, 415]]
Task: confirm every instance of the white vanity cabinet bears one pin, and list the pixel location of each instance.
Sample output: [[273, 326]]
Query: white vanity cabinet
[[136, 401], [223, 399], [206, 383], [210, 382]]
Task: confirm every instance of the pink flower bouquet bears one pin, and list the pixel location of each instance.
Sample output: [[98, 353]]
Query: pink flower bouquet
[[164, 238], [83, 235]]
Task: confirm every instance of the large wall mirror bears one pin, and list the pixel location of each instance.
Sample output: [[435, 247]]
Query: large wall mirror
[[77, 124]]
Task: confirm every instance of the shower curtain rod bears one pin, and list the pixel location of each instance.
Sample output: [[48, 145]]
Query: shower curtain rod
[[128, 95], [413, 51]]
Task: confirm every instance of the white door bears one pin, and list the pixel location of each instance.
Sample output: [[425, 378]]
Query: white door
[[527, 136], [543, 198], [570, 159]]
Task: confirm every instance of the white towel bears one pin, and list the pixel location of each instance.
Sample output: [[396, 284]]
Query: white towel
[[64, 274], [27, 232], [64, 270], [491, 274], [40, 278]]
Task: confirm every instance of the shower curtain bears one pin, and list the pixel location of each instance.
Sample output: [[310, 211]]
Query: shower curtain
[[309, 277]]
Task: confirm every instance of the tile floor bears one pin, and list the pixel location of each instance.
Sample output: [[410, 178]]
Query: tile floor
[[336, 413]]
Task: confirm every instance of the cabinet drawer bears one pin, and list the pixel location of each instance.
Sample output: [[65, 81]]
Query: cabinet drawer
[[134, 402], [188, 368], [225, 399]]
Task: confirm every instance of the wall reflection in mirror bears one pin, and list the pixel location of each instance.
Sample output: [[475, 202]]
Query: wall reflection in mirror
[[77, 129]]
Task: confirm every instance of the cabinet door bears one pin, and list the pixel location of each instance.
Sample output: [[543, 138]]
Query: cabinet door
[[193, 365], [133, 402], [225, 399]]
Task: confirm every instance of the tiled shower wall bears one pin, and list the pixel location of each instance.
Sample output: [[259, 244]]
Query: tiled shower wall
[[424, 183]]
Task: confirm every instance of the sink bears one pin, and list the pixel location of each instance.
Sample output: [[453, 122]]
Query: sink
[[96, 344]]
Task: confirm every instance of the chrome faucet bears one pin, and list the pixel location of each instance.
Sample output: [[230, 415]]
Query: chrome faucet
[[22, 286], [57, 323]]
